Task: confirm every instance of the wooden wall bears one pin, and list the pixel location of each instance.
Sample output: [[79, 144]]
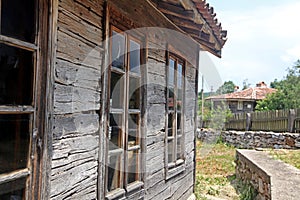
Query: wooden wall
[[77, 92], [76, 99], [156, 185]]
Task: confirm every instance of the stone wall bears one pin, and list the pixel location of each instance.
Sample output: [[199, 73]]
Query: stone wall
[[249, 172], [252, 139]]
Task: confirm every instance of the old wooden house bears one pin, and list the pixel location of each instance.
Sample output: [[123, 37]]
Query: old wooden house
[[243, 101], [98, 97]]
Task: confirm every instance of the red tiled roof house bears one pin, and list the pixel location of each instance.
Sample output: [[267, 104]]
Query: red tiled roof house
[[242, 101]]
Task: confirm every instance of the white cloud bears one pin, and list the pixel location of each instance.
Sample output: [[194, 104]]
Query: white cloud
[[262, 42], [292, 54]]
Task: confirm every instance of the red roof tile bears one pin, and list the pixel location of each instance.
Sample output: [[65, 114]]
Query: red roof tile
[[256, 93]]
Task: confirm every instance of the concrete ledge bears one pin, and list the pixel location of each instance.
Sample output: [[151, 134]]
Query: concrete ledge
[[273, 179]]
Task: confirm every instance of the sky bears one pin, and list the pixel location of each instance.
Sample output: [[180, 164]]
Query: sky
[[263, 41]]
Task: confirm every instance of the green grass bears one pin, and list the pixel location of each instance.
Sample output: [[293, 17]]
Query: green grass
[[214, 170], [215, 174], [291, 157]]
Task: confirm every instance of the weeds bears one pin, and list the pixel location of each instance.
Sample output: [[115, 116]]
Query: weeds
[[246, 190], [291, 157], [215, 174]]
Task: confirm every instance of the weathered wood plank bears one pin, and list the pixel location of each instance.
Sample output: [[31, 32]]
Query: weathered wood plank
[[68, 99], [73, 160], [73, 23], [155, 66], [155, 123], [79, 76], [78, 51], [93, 5], [65, 147], [75, 125], [159, 191], [155, 150], [84, 11], [77, 179], [155, 178], [159, 137], [156, 89], [155, 164]]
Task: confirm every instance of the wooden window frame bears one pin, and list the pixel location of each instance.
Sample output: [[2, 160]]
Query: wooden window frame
[[126, 187], [35, 177], [178, 164]]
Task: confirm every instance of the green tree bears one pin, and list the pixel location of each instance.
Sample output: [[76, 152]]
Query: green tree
[[227, 87], [288, 92]]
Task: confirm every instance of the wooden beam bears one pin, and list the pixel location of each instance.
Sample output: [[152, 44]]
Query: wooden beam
[[184, 22], [175, 10]]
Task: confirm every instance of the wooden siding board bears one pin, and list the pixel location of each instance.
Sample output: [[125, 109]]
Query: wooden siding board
[[68, 99], [83, 178], [155, 119], [75, 125], [87, 11], [67, 73], [155, 178], [77, 74], [72, 48], [76, 25], [77, 97]]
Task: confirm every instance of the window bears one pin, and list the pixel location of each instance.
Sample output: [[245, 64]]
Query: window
[[175, 102], [124, 135], [240, 105], [19, 107]]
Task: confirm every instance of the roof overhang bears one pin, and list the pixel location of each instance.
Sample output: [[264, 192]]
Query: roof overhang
[[196, 18]]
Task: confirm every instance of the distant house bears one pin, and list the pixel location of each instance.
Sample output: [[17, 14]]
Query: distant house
[[242, 101]]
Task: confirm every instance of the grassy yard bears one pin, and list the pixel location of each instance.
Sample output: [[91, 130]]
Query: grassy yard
[[291, 157], [215, 172]]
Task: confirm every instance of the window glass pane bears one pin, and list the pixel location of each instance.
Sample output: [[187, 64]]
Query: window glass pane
[[14, 143], [170, 124], [117, 90], [118, 50], [18, 19], [134, 93], [179, 76], [171, 72], [115, 131], [170, 151], [133, 165], [171, 99], [133, 130], [135, 57], [179, 86], [114, 172], [179, 99], [179, 146], [14, 190], [179, 126], [16, 76]]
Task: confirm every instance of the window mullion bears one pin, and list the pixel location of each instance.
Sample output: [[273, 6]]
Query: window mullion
[[175, 109], [18, 43], [16, 109], [14, 175], [126, 112]]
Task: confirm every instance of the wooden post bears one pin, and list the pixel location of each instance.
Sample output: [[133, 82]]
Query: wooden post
[[248, 121], [291, 120]]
